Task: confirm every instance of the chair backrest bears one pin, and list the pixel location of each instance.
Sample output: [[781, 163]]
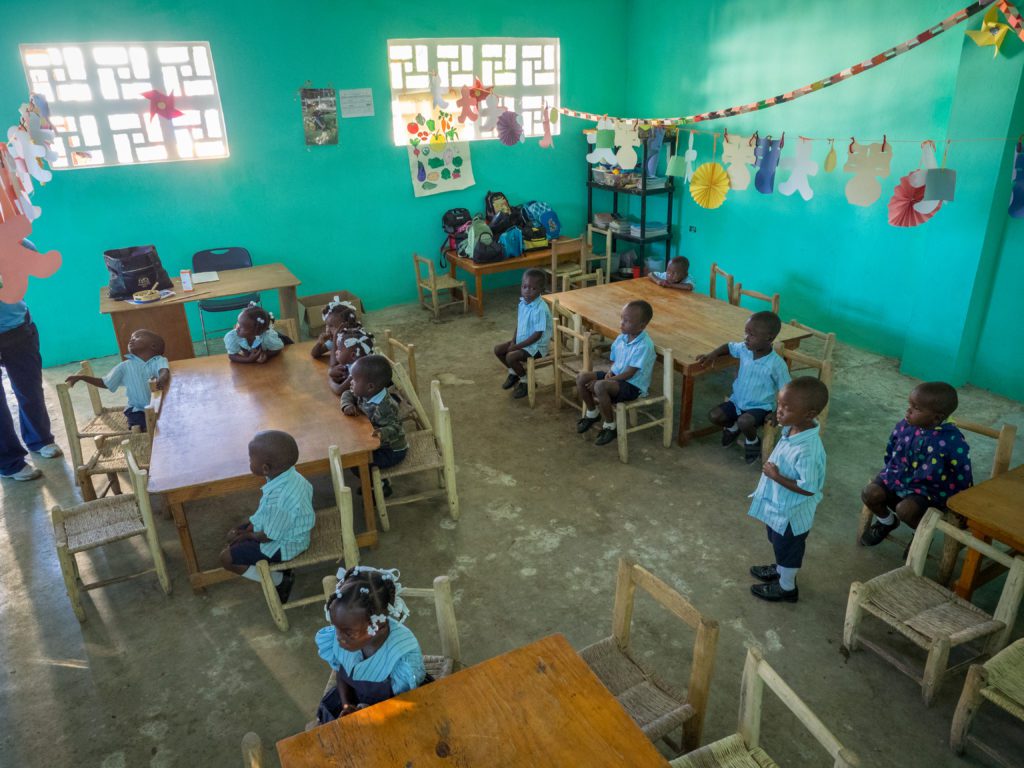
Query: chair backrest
[[828, 340], [85, 369], [67, 412], [739, 292], [801, 360], [392, 346], [1004, 437], [140, 481], [629, 577], [442, 425], [216, 259], [729, 283], [567, 250], [756, 674], [430, 278], [667, 370], [569, 338], [343, 501], [405, 387], [289, 326]]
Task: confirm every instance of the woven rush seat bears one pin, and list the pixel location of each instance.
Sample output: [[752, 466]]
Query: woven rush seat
[[1006, 679], [110, 422], [323, 542], [652, 703], [109, 456], [730, 752], [422, 455], [95, 523]]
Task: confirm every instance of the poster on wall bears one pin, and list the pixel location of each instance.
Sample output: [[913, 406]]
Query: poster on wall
[[440, 167], [319, 116]]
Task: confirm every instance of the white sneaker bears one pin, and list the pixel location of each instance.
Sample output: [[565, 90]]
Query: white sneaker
[[28, 472], [51, 451]]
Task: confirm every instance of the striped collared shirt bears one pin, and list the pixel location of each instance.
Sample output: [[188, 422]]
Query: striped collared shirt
[[534, 316], [268, 340], [135, 373], [664, 276], [758, 380], [638, 353], [802, 459], [285, 515]]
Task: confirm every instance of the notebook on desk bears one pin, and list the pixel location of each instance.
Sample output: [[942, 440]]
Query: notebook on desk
[[204, 277]]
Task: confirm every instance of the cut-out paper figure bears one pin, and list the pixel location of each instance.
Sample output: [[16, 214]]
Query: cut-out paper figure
[[604, 142], [162, 104], [18, 263], [27, 155], [510, 132], [800, 169], [738, 151], [546, 142], [767, 154], [830, 158], [478, 91], [626, 138], [690, 156], [437, 91], [917, 179], [466, 104], [1016, 209], [489, 112], [867, 163], [654, 150], [992, 31]]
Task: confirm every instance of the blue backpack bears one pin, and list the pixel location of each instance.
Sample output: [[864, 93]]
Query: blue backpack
[[543, 215], [512, 241]]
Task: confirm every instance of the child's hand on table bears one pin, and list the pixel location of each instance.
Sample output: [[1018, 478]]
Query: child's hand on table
[[349, 410], [261, 355], [703, 360]]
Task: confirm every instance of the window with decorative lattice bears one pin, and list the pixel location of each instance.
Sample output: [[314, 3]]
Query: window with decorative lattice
[[129, 103], [523, 71]]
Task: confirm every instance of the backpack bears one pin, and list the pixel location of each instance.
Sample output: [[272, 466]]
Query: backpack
[[477, 232], [496, 202], [543, 215], [455, 223], [512, 241], [487, 251], [530, 230], [500, 222], [135, 269]]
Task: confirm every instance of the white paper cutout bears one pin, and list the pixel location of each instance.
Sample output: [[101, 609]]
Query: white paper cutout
[[603, 154], [437, 92], [489, 113], [917, 178], [626, 137], [27, 154], [738, 151], [691, 157], [800, 168], [868, 163]]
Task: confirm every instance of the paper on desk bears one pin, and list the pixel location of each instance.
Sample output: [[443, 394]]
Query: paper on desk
[[205, 277]]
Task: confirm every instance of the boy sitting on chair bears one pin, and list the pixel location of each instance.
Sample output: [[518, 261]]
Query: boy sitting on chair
[[279, 530], [368, 394], [144, 362], [676, 275], [532, 334], [632, 356]]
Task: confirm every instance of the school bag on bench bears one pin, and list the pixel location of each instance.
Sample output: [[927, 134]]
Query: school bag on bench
[[498, 212], [455, 224], [543, 215], [480, 244], [512, 241], [534, 237]]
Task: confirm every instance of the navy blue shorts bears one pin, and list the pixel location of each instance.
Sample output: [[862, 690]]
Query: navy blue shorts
[[385, 457], [135, 418], [248, 552], [626, 391], [789, 548], [732, 413]]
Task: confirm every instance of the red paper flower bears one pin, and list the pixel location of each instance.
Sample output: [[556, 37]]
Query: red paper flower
[[162, 104], [478, 92]]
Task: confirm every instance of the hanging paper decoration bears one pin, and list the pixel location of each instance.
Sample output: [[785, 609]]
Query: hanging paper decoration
[[677, 165], [162, 104], [902, 202], [546, 142], [710, 185], [18, 262], [867, 162], [604, 141], [767, 153], [626, 138], [437, 92], [1017, 184], [738, 151], [657, 138], [917, 178], [489, 112], [801, 168], [940, 183], [691, 158], [554, 115], [478, 92], [434, 172], [466, 103], [830, 158], [510, 132], [992, 31]]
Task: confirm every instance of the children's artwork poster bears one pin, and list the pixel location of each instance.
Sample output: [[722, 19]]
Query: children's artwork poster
[[319, 116], [437, 161]]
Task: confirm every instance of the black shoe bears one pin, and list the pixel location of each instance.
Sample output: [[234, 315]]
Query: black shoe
[[511, 381], [605, 436], [521, 390], [877, 532], [752, 451], [586, 423], [765, 573], [284, 589], [729, 437], [773, 593]]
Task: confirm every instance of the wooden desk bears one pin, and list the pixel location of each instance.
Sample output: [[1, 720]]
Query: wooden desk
[[994, 510], [536, 705], [688, 323], [212, 409], [538, 258], [167, 317]]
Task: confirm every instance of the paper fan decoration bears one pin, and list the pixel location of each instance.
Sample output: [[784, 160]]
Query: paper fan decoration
[[709, 185], [510, 132], [901, 205]]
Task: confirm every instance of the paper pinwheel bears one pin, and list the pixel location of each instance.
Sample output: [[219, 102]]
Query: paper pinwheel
[[162, 104], [992, 31], [709, 185], [510, 132]]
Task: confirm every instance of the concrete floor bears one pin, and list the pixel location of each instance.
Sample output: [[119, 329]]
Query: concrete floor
[[156, 681]]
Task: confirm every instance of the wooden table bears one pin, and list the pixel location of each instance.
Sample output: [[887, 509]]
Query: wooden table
[[994, 510], [538, 258], [688, 323], [538, 705], [212, 409], [167, 317]]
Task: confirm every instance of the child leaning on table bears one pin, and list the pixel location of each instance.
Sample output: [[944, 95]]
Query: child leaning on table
[[144, 362], [337, 316], [374, 655], [253, 339], [676, 275], [927, 460], [368, 394], [762, 373], [350, 344], [279, 529], [532, 334]]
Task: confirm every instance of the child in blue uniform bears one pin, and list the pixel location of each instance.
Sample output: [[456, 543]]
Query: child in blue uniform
[[676, 275], [368, 645], [337, 316], [532, 334], [253, 339]]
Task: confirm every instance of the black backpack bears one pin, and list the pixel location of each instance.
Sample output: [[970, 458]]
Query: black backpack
[[530, 230], [496, 202], [486, 252], [135, 269], [455, 223]]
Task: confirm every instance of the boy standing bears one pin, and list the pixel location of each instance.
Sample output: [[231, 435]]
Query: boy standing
[[676, 275], [532, 334], [632, 356], [790, 488]]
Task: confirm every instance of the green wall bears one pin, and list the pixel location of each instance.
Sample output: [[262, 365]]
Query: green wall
[[340, 217]]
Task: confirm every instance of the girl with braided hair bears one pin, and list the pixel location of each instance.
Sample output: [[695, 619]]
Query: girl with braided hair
[[368, 645], [253, 339]]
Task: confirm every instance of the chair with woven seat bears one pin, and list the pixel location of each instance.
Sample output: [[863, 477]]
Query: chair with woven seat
[[822, 368], [332, 539], [96, 523], [106, 421], [222, 260], [931, 616], [743, 748], [430, 450], [572, 353], [1000, 680], [739, 292], [827, 342], [603, 259], [567, 261], [395, 350], [653, 704], [643, 413], [433, 283], [109, 459], [730, 283]]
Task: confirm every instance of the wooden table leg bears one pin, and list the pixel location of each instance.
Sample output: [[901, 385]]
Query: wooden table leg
[[968, 575], [168, 320], [479, 295], [456, 292], [686, 410], [187, 546], [288, 302]]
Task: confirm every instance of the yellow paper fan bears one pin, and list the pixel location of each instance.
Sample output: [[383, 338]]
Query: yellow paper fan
[[709, 185]]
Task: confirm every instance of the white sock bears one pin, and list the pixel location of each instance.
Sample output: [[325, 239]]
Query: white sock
[[733, 428], [608, 425], [512, 372], [887, 520], [252, 574], [787, 577], [748, 441], [592, 413]]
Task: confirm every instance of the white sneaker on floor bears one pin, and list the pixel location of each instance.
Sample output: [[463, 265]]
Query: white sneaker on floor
[[28, 472], [51, 451]]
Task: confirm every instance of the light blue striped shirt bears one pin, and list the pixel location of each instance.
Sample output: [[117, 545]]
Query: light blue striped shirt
[[534, 317], [638, 353], [758, 380], [269, 340], [800, 458], [135, 374], [664, 276], [285, 514], [398, 660], [12, 315]]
